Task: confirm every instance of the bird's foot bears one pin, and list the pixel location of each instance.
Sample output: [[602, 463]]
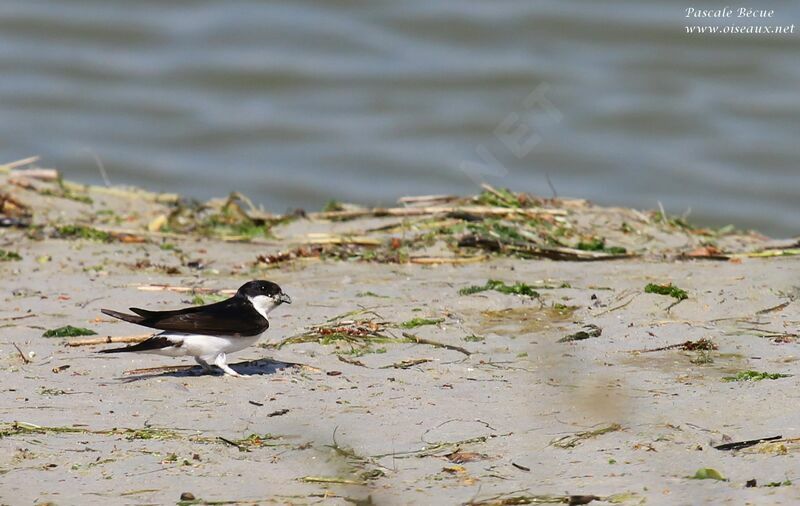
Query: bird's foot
[[221, 362]]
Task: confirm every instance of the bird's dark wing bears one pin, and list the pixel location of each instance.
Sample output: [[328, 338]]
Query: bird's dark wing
[[234, 316], [154, 343]]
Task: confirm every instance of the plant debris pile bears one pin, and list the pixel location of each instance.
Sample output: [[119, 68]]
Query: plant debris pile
[[424, 230], [358, 335], [234, 218], [13, 213]]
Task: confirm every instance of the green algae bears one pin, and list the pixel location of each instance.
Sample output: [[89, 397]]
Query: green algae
[[599, 244], [9, 256], [518, 288], [669, 290], [69, 331], [419, 322], [754, 376], [83, 232]]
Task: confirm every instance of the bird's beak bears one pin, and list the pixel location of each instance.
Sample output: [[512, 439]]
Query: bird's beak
[[284, 299]]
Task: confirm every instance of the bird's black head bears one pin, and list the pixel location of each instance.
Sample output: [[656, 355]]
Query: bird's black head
[[264, 295], [267, 288]]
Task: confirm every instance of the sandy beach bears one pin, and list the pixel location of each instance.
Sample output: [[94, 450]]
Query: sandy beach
[[497, 350]]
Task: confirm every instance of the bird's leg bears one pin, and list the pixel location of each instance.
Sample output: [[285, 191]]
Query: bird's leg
[[205, 365], [220, 362]]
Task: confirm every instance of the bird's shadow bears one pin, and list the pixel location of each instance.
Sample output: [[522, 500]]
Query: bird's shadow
[[259, 367]]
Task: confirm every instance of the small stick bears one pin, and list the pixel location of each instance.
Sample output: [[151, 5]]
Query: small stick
[[422, 340], [423, 211], [233, 443], [447, 260], [772, 309], [174, 235], [491, 189], [40, 174], [351, 361], [331, 479], [5, 198], [6, 167], [407, 364], [520, 467], [426, 198], [25, 359], [663, 213], [18, 317], [108, 339], [702, 344], [115, 231], [116, 191], [182, 289], [615, 308], [674, 304], [166, 368], [358, 241], [738, 445]]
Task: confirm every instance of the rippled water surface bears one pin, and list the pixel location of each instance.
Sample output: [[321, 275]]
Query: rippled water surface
[[296, 103]]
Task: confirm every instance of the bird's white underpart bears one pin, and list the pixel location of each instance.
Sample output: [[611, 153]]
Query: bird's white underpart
[[206, 350]]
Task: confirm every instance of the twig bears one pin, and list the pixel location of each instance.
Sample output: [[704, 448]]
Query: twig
[[116, 191], [234, 444], [615, 308], [447, 260], [528, 250], [507, 500], [494, 191], [451, 420], [108, 339], [166, 368], [439, 447], [772, 309], [663, 213], [40, 174], [100, 167], [406, 364], [550, 184], [343, 239], [330, 479], [768, 253], [7, 167], [182, 289], [422, 340], [25, 359], [416, 200], [573, 440], [351, 361], [702, 344], [14, 318], [738, 445], [674, 304], [423, 211], [558, 253], [140, 233]]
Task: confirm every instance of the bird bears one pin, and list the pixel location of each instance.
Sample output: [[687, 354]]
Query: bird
[[208, 333]]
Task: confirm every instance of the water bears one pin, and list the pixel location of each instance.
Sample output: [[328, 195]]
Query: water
[[296, 103]]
